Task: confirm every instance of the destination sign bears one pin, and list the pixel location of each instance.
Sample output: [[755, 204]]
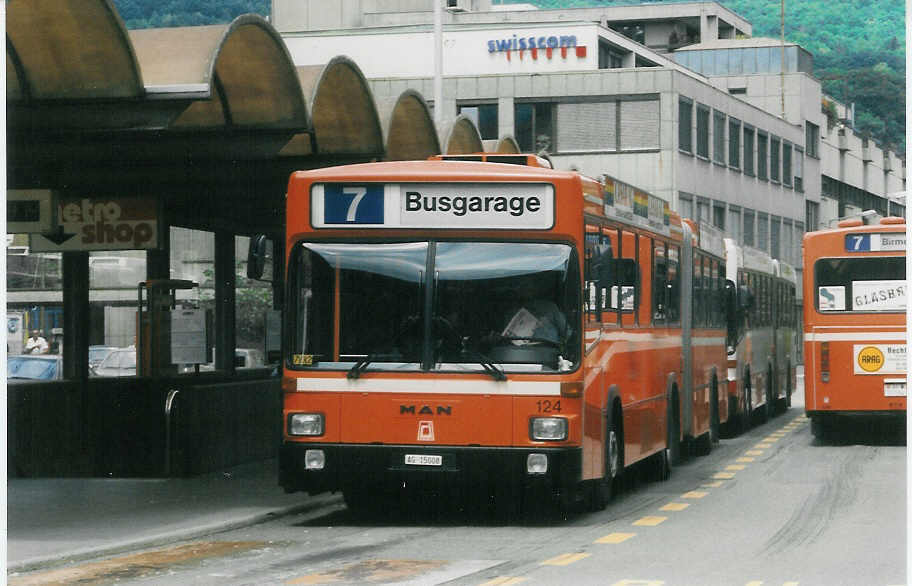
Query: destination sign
[[464, 206], [880, 242]]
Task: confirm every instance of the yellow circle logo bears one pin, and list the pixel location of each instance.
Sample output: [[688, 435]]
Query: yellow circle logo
[[870, 359]]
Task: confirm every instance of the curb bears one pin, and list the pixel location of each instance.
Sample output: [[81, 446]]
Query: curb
[[156, 540]]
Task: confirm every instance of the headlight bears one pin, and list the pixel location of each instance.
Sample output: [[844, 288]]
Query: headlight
[[548, 428], [305, 424]]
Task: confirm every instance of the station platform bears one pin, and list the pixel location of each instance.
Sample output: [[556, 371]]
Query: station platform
[[52, 521]]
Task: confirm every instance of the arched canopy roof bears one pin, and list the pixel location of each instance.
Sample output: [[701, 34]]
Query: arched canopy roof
[[343, 111], [68, 50], [410, 133], [244, 67], [507, 144], [463, 137]]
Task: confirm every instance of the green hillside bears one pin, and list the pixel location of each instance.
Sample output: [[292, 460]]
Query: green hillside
[[858, 45]]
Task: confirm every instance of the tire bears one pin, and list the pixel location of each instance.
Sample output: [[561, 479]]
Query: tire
[[703, 445], [770, 409], [818, 427], [714, 425], [748, 411], [673, 444], [603, 489]]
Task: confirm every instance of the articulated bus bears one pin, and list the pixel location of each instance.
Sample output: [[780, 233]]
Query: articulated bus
[[855, 321], [762, 353], [507, 331]]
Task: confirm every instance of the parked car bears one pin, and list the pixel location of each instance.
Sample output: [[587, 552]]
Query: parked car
[[119, 362], [34, 367], [98, 353]]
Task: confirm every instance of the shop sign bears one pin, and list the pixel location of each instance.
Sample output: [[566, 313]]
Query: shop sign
[[100, 223], [534, 44]]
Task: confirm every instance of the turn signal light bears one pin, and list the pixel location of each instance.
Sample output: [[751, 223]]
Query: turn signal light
[[825, 362], [571, 389]]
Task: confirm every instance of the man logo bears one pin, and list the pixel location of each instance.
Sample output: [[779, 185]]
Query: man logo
[[425, 431]]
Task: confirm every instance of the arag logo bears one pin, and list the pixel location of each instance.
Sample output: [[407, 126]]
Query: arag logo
[[870, 359]]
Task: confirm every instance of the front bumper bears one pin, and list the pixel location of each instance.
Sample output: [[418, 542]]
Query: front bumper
[[384, 465]]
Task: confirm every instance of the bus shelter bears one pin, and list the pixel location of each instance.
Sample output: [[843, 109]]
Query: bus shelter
[[161, 152]]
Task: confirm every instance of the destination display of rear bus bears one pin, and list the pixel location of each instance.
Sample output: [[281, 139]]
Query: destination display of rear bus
[[498, 329], [855, 322]]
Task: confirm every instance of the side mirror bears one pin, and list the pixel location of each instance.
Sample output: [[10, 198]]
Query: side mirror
[[259, 255]]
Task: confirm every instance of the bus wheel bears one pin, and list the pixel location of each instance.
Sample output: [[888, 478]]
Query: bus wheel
[[747, 411], [603, 489], [674, 430], [770, 410], [714, 424], [818, 427]]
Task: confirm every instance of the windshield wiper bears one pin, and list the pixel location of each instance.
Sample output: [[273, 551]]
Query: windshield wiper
[[489, 366], [360, 366]]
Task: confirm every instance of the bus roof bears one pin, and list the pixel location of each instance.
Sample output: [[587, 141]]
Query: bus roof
[[508, 158]]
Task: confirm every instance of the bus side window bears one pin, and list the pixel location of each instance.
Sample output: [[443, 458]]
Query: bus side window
[[659, 278], [698, 305], [599, 257], [674, 285]]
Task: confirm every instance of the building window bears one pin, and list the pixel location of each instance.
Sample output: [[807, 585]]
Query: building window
[[775, 242], [774, 159], [748, 227], [534, 131], [763, 232], [719, 137], [718, 219], [734, 223], [253, 307], [812, 139], [685, 135], [748, 150], [703, 210], [485, 118], [610, 57], [589, 126], [762, 156], [799, 169], [702, 131], [786, 163], [734, 143], [638, 124], [685, 205], [812, 215], [193, 259]]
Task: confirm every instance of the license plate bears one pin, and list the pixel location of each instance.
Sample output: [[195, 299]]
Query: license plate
[[895, 388], [423, 460]]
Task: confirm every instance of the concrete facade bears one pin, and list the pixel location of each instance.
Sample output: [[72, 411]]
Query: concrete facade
[[620, 107]]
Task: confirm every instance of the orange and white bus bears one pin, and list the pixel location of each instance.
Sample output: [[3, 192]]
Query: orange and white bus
[[495, 327], [762, 352], [855, 321]]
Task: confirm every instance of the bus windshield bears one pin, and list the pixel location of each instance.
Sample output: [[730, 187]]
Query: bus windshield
[[872, 283], [443, 306]]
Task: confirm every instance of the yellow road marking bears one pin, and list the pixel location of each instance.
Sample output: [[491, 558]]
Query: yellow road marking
[[504, 581], [650, 521], [694, 494], [755, 583], [754, 452], [565, 559], [615, 538], [763, 445], [771, 439], [639, 583], [735, 467], [790, 584], [675, 507], [724, 475], [744, 459], [715, 484]]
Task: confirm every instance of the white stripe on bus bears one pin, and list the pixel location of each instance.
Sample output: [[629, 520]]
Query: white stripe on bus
[[854, 336], [448, 386]]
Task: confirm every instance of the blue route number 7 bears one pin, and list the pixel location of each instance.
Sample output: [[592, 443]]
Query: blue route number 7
[[353, 204]]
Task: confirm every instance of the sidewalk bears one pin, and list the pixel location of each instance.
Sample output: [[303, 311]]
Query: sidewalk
[[64, 519]]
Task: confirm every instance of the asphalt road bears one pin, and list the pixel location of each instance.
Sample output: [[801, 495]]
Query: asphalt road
[[773, 506]]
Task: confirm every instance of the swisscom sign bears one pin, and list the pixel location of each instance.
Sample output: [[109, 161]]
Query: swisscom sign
[[467, 206]]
